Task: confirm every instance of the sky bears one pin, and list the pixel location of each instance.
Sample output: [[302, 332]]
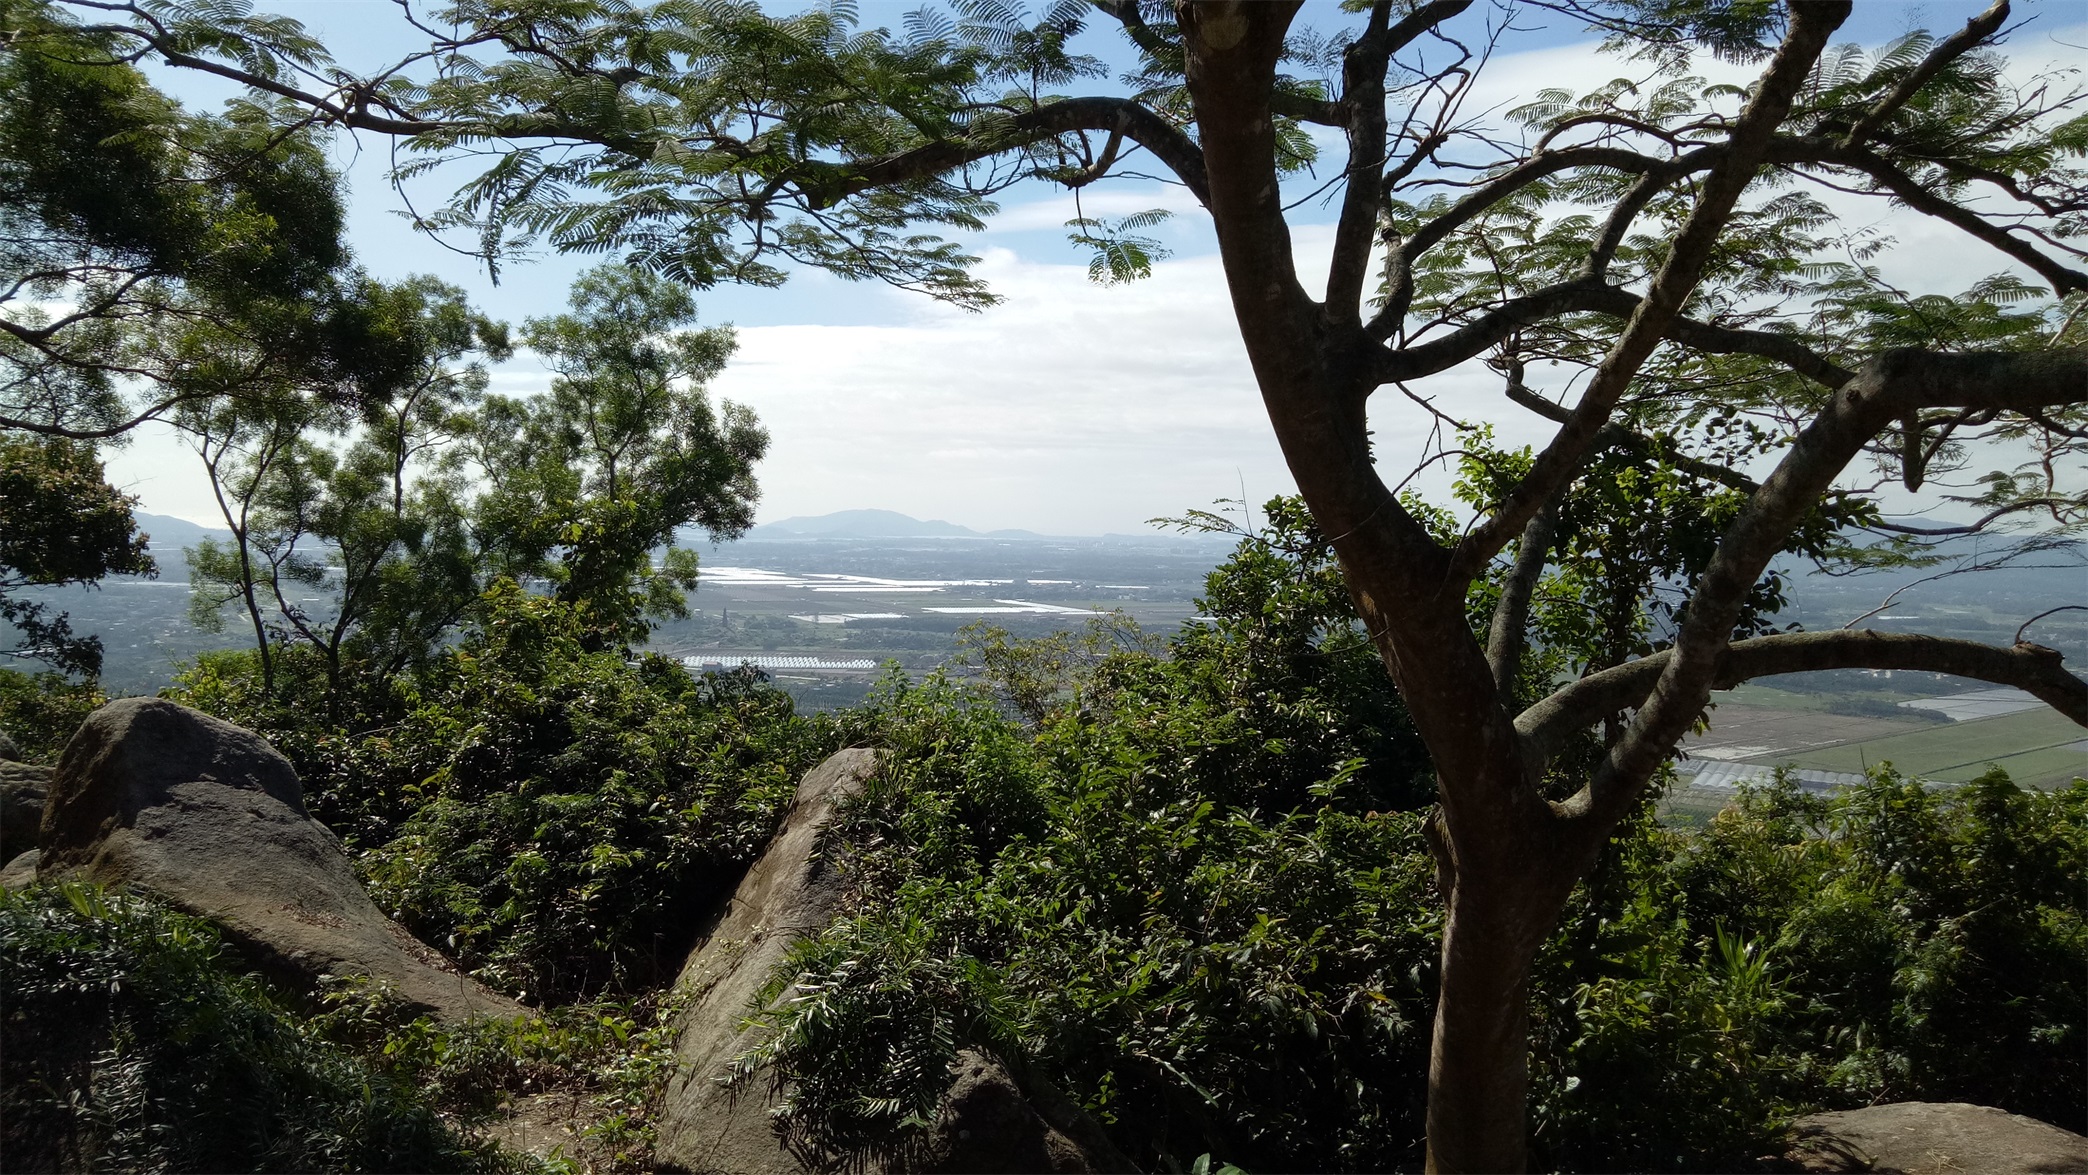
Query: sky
[[1069, 408]]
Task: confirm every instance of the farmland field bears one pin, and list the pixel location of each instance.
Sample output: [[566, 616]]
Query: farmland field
[[2038, 748]]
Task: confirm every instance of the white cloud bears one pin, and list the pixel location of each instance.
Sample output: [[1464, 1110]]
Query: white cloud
[[1068, 409]]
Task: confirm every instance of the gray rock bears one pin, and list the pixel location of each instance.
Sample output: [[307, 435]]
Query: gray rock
[[19, 870], [1934, 1138], [23, 789], [988, 1122], [989, 1125], [209, 817], [790, 892], [8, 750]]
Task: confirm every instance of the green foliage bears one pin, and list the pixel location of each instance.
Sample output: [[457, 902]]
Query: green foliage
[[1121, 255], [1032, 676], [1890, 944], [721, 142], [609, 1060], [40, 711], [1170, 891], [351, 528], [133, 1043], [1208, 978], [549, 815], [369, 534], [1182, 902], [60, 523], [586, 483], [1280, 689], [200, 255]]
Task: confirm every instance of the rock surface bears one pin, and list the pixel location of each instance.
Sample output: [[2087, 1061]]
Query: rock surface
[[19, 870], [790, 892], [988, 1123], [1934, 1138], [23, 789], [209, 817], [990, 1126], [8, 750]]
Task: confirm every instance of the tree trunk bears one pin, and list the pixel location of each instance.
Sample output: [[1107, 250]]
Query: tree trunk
[[1478, 1069]]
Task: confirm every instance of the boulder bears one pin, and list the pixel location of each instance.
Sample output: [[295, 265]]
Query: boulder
[[790, 892], [8, 750], [209, 817], [988, 1121], [1934, 1138], [23, 788], [989, 1125], [19, 870]]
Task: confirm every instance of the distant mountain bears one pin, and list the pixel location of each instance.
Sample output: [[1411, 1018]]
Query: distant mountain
[[176, 534], [864, 524], [890, 524]]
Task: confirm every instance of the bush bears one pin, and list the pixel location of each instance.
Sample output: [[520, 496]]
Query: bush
[[132, 1044], [606, 1061], [40, 711], [1205, 978], [1105, 902], [552, 817], [1890, 944]]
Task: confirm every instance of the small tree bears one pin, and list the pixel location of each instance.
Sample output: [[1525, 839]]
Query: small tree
[[364, 527], [60, 523], [587, 482], [378, 524]]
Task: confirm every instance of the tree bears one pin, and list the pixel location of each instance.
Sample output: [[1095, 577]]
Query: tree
[[60, 523], [585, 483], [152, 262], [131, 231], [379, 523], [365, 530], [1665, 241]]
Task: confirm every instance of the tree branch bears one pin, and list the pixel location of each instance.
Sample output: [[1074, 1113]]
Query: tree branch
[[1166, 141], [1616, 436], [1976, 30], [1363, 101], [1126, 13], [1811, 25], [1888, 388], [1590, 294], [2030, 667], [1399, 266], [1511, 618], [2062, 279]]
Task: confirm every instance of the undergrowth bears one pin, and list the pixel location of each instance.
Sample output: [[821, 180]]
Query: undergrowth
[[135, 1041], [130, 1044]]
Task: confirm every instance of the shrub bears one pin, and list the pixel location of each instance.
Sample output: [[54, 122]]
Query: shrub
[[40, 711], [1890, 944], [131, 1043], [569, 810], [1111, 902], [606, 1061], [1205, 978], [554, 818]]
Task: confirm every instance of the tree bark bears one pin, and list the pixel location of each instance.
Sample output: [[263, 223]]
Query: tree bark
[[1478, 1067]]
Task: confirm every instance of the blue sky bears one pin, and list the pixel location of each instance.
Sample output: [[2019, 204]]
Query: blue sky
[[1069, 409]]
